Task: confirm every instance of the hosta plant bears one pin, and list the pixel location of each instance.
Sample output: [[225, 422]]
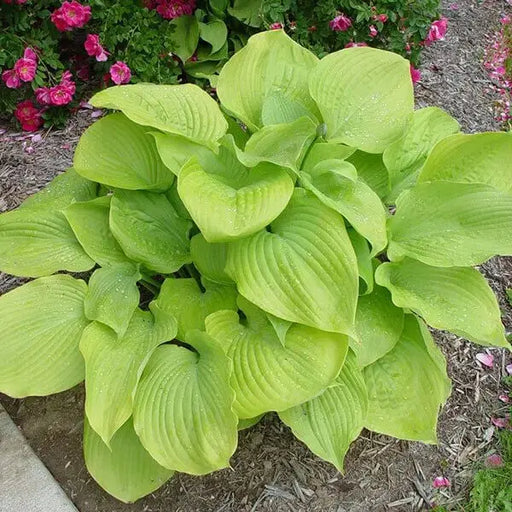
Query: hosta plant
[[284, 251]]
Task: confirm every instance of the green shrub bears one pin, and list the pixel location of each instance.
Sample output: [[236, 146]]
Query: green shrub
[[276, 278]]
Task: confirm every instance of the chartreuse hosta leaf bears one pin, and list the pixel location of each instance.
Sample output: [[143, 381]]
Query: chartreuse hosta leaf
[[113, 366], [405, 157], [408, 386], [113, 296], [184, 300], [89, 220], [455, 299], [304, 270], [182, 410], [244, 424], [335, 183], [330, 422], [210, 259], [451, 224], [40, 327], [38, 241], [149, 230], [364, 261], [371, 169], [478, 158], [119, 153], [125, 469], [227, 206], [365, 97], [379, 324], [271, 69], [184, 110], [321, 151], [282, 144], [63, 190], [268, 376]]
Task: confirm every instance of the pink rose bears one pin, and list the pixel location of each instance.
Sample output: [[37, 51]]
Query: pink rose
[[120, 73], [373, 31], [11, 79], [437, 31], [276, 26], [28, 115], [60, 95], [170, 9], [71, 15], [25, 69], [382, 18], [94, 49], [341, 23]]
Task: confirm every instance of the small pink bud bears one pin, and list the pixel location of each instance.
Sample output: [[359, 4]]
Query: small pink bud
[[440, 481], [494, 461]]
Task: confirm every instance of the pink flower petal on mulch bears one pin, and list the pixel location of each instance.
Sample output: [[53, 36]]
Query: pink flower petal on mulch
[[500, 422], [504, 398], [485, 359], [96, 113], [37, 138], [440, 481], [509, 369], [494, 461]]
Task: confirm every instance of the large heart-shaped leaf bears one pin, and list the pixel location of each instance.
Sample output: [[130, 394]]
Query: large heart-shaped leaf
[[458, 300], [182, 410], [180, 109], [38, 242], [451, 224], [379, 324], [330, 422], [333, 182], [119, 153], [226, 207], [405, 157], [125, 469], [113, 296], [89, 220], [408, 386], [270, 63], [365, 96], [149, 230], [113, 366], [63, 190], [183, 299], [304, 270], [40, 327], [268, 376], [477, 158], [215, 33]]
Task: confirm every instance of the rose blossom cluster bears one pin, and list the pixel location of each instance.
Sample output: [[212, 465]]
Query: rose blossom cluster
[[29, 116], [170, 9], [58, 95], [498, 62], [19, 2], [24, 70]]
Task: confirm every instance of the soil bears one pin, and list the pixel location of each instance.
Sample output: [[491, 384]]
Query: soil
[[272, 471]]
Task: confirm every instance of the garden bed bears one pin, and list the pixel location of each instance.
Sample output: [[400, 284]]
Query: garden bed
[[272, 470]]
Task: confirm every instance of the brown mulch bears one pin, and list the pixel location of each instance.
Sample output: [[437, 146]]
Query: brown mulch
[[271, 470]]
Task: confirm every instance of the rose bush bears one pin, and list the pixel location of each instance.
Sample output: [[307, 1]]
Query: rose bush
[[52, 51]]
